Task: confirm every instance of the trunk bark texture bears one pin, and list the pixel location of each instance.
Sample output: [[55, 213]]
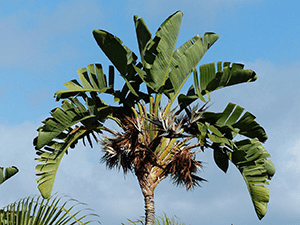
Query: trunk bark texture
[[148, 183], [149, 209]]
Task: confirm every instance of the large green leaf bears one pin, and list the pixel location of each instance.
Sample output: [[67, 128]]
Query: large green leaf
[[159, 52], [71, 113], [158, 56], [60, 131], [50, 158], [143, 37], [92, 80], [120, 55], [221, 158], [211, 80], [250, 158], [187, 57], [231, 122], [125, 62], [7, 173], [248, 155], [185, 100], [39, 211]]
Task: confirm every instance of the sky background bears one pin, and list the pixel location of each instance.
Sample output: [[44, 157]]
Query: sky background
[[42, 43]]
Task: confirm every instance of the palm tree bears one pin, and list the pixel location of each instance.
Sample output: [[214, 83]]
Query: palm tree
[[156, 140]]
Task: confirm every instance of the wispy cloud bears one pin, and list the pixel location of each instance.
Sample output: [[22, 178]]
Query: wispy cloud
[[17, 150], [81, 176]]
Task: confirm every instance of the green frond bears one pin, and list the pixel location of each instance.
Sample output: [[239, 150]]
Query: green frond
[[60, 132], [7, 173], [214, 77], [120, 55], [160, 220], [250, 158], [92, 80], [55, 210], [159, 52], [232, 121]]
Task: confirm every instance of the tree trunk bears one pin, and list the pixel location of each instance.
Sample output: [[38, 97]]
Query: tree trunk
[[148, 187], [149, 209], [148, 182]]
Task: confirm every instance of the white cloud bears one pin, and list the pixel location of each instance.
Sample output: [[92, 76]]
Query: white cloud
[[81, 176], [287, 184], [114, 198], [293, 166], [107, 192], [17, 150]]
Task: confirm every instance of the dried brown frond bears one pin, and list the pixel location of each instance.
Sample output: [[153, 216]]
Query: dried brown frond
[[183, 168], [129, 149], [119, 149]]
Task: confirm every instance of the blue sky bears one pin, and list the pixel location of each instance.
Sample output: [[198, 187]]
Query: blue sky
[[43, 43]]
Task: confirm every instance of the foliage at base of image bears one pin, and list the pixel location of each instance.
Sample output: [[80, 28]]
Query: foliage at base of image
[[161, 220], [40, 211]]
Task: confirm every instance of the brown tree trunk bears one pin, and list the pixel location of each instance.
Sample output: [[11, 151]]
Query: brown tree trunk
[[149, 209], [148, 181]]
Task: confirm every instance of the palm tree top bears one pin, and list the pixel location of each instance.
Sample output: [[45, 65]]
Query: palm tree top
[[154, 140]]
